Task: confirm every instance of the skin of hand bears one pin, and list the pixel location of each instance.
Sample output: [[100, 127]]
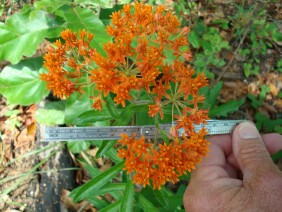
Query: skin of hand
[[238, 174]]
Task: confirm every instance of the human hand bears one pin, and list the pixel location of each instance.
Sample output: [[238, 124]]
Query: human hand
[[238, 174]]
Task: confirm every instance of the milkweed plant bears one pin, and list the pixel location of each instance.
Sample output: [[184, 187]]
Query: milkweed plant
[[148, 56]]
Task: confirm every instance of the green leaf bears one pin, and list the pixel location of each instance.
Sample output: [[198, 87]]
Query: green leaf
[[110, 187], [82, 18], [21, 85], [96, 183], [92, 116], [57, 105], [264, 90], [194, 39], [112, 207], [254, 101], [76, 105], [105, 147], [226, 108], [22, 35], [263, 122], [50, 117], [101, 3], [106, 13], [148, 193], [140, 107], [125, 116], [127, 199], [175, 202], [277, 155], [213, 94], [145, 204], [161, 197], [78, 146], [48, 5], [53, 113], [111, 153], [98, 202], [93, 171], [111, 107]]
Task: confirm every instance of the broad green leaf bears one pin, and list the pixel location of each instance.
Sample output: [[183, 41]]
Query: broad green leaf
[[78, 18], [127, 199], [57, 105], [48, 5], [226, 108], [92, 116], [22, 85], [77, 146], [101, 3], [76, 105], [22, 35], [53, 113], [161, 197], [50, 117], [145, 204], [96, 183], [112, 207]]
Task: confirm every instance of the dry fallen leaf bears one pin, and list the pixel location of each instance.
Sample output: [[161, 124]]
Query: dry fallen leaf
[[68, 202]]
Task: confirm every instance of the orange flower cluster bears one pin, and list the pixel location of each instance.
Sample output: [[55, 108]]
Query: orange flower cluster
[[65, 63], [144, 41], [164, 164]]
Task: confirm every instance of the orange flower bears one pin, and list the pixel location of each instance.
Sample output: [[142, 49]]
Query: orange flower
[[97, 102], [155, 109], [184, 122], [160, 90], [140, 147]]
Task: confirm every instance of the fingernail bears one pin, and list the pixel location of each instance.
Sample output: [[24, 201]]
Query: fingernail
[[247, 131]]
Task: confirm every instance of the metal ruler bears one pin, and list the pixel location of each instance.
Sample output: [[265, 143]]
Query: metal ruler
[[113, 132]]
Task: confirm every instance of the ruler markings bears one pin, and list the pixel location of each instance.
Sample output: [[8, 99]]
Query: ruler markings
[[113, 132]]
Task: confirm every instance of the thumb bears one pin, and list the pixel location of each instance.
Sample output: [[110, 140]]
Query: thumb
[[250, 151]]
